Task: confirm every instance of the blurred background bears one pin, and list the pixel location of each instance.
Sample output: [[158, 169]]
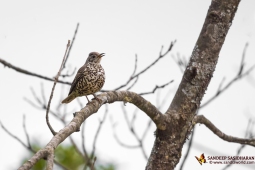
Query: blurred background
[[33, 36]]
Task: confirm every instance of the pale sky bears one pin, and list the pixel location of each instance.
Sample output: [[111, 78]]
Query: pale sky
[[33, 36]]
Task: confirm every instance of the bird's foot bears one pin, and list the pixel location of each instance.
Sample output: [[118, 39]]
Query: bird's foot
[[96, 98]]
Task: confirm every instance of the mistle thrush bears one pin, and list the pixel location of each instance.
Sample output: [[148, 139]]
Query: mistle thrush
[[89, 79]]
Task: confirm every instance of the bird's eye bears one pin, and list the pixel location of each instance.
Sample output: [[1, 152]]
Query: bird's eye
[[93, 56]]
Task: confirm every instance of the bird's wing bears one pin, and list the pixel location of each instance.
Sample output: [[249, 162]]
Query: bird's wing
[[78, 76]]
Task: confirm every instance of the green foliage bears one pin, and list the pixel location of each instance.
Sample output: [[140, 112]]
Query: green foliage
[[106, 167], [69, 158]]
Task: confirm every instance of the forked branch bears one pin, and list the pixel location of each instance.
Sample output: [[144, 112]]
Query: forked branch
[[203, 120], [92, 107]]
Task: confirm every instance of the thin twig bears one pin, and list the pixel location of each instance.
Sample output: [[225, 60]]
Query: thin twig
[[132, 130], [52, 91], [35, 96], [69, 51], [146, 68], [27, 147], [89, 161], [162, 103], [240, 74], [67, 74], [98, 130], [135, 66], [146, 130], [43, 95], [227, 86], [58, 116], [132, 122], [203, 120], [132, 85], [248, 129], [156, 87], [188, 150], [83, 141], [181, 62], [118, 140], [76, 147], [15, 137], [242, 61], [5, 63], [25, 130], [31, 103]]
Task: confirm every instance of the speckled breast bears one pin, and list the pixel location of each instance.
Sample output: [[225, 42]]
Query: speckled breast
[[92, 81]]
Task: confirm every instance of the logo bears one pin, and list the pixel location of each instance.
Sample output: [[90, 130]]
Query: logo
[[201, 159]]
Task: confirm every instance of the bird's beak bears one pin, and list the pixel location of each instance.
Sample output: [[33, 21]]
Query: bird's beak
[[101, 55]]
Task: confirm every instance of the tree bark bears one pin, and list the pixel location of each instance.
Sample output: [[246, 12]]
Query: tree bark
[[168, 144]]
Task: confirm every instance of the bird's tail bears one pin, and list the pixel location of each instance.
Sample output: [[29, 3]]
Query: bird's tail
[[69, 98]]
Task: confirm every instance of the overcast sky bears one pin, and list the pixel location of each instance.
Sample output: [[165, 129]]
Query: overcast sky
[[33, 36]]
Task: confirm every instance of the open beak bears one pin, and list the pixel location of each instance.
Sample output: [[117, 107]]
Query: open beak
[[101, 55]]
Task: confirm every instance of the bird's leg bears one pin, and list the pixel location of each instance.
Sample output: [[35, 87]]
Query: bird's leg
[[96, 98], [87, 99]]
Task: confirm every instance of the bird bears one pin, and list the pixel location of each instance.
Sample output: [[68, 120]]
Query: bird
[[89, 79]]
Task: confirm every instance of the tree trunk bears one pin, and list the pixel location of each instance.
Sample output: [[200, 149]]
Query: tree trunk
[[168, 144]]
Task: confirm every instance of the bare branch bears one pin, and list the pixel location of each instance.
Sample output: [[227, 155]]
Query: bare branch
[[146, 130], [13, 136], [98, 130], [201, 119], [181, 62], [157, 87], [52, 91], [67, 74], [135, 66], [132, 130], [239, 75], [25, 130], [76, 148], [83, 145], [120, 142], [146, 68], [43, 95], [87, 111], [131, 97], [5, 63], [242, 61], [32, 104], [188, 151], [132, 85], [59, 117], [29, 146], [248, 129], [69, 51], [35, 96]]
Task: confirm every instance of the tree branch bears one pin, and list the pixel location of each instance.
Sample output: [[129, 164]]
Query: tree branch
[[98, 130], [193, 85], [130, 125], [26, 133], [146, 68], [156, 87], [52, 91], [88, 110], [27, 147], [239, 75], [6, 64], [69, 51], [203, 120]]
